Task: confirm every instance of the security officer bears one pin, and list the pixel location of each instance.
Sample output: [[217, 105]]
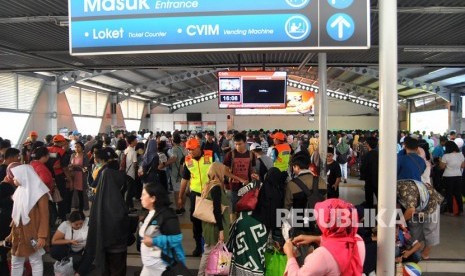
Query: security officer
[[281, 154], [195, 171]]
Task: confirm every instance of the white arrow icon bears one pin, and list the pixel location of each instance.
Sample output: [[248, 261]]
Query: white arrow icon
[[333, 2], [340, 22]]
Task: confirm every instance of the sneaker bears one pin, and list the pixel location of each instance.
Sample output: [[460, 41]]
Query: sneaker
[[345, 180], [179, 212], [183, 210]]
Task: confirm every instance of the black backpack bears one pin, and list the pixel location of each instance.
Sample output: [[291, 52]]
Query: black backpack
[[313, 196], [342, 158]]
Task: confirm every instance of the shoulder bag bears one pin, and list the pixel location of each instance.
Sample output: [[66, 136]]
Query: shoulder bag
[[248, 202], [204, 207]]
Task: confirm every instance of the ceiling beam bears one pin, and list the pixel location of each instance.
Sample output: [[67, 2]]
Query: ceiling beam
[[184, 94], [448, 76], [71, 78], [181, 77], [407, 82]]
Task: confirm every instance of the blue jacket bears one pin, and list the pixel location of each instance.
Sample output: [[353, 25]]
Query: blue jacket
[[171, 236]]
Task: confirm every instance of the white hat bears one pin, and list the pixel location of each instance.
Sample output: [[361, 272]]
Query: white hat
[[459, 142], [255, 146], [163, 138]]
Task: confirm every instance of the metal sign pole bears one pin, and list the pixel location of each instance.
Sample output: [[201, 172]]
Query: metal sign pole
[[388, 135], [323, 110]]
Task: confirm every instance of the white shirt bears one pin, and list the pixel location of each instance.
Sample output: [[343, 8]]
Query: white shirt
[[150, 256], [453, 163], [131, 160], [79, 235]]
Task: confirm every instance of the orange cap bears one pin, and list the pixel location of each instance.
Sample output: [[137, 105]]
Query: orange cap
[[192, 144], [58, 138], [33, 133], [279, 135]]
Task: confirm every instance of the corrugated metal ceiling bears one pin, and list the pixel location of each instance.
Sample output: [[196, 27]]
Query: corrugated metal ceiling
[[43, 46]]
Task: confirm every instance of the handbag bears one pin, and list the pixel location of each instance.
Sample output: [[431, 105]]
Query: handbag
[[275, 262], [175, 267], [64, 267], [219, 260], [314, 169], [352, 161], [248, 202], [56, 196], [204, 207]]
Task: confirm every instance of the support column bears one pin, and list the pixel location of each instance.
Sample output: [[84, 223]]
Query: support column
[[148, 117], [52, 107], [114, 103], [388, 136], [407, 113], [323, 110], [454, 112]]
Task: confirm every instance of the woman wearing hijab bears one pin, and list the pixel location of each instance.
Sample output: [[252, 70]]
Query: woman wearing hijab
[[219, 231], [148, 167], [109, 222], [341, 251], [342, 155], [30, 227]]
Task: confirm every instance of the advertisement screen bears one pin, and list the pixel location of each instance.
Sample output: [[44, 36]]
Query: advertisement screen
[[297, 103], [245, 89]]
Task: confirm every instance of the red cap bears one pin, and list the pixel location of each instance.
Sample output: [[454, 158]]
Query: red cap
[[59, 138], [33, 133], [192, 144], [279, 135]]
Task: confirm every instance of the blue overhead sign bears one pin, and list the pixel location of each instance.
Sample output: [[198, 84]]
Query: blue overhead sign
[[151, 26]]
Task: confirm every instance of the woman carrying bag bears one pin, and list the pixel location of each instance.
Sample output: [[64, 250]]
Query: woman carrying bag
[[160, 232], [219, 231]]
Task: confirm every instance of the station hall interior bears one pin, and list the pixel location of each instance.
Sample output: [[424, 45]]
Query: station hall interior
[[45, 89]]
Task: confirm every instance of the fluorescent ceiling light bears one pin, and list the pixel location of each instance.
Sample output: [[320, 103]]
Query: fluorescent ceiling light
[[426, 49]]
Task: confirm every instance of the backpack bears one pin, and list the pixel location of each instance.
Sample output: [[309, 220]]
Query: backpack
[[342, 158], [313, 197]]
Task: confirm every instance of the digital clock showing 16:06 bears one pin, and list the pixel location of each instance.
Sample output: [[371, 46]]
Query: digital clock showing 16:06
[[231, 98]]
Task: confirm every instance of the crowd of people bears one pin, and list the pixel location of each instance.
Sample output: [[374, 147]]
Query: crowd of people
[[128, 181]]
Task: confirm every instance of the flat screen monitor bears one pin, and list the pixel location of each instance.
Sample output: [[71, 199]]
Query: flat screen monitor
[[252, 89], [194, 117]]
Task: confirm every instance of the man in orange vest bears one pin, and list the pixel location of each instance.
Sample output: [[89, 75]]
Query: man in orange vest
[[281, 154]]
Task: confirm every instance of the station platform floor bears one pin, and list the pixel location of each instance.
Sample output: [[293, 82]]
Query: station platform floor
[[448, 258]]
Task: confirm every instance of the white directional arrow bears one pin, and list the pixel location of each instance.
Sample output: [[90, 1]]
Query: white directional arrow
[[333, 2], [340, 22]]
